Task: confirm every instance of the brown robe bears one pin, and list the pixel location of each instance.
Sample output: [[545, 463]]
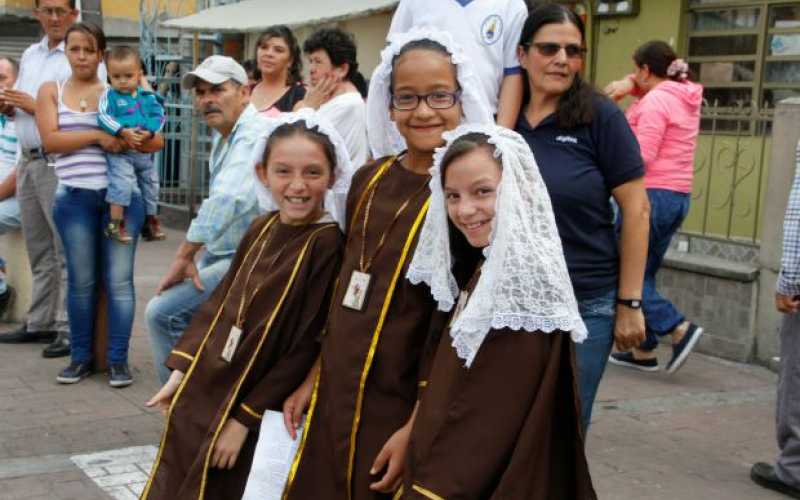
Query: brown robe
[[391, 376], [507, 428], [279, 344]]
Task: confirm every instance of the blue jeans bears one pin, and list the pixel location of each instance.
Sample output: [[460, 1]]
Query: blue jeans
[[598, 313], [668, 209], [170, 313], [9, 221], [128, 170], [80, 215]]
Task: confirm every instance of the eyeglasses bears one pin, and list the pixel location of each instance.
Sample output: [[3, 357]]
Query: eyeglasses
[[435, 100], [550, 49], [53, 11]]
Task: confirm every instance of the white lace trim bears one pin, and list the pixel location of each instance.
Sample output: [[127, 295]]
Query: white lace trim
[[524, 283], [336, 197], [384, 138]]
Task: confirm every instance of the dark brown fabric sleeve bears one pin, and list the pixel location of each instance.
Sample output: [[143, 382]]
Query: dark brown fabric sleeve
[[437, 328]]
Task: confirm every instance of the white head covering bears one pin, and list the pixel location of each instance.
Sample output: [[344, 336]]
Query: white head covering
[[384, 139], [524, 283], [336, 197]]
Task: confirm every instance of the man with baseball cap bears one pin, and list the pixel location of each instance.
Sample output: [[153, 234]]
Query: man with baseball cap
[[222, 97]]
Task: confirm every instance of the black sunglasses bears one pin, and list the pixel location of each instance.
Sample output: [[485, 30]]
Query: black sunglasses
[[550, 49]]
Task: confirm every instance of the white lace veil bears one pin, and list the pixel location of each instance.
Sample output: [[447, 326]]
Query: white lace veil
[[336, 197], [384, 139], [524, 284]]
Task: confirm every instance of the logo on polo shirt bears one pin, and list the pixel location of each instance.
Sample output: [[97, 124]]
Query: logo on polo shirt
[[567, 139], [491, 29]]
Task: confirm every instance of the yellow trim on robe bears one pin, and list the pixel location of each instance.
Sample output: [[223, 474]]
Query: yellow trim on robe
[[249, 366], [189, 372], [398, 494], [423, 383], [374, 344], [183, 355], [426, 492], [309, 415], [251, 411]]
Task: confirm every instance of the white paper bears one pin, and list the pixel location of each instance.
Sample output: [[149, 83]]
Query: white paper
[[273, 458]]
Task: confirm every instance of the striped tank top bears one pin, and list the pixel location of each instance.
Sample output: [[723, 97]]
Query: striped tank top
[[86, 167]]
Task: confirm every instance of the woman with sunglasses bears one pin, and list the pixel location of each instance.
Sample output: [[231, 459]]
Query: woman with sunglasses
[[587, 154]]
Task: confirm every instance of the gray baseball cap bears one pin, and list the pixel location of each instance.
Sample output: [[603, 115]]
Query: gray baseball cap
[[215, 70]]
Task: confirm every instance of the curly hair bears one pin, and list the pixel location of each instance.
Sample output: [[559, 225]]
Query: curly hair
[[341, 49], [295, 74]]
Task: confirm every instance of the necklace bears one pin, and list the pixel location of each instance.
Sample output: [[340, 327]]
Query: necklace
[[83, 102]]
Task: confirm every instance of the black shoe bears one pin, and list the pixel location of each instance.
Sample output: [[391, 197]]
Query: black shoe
[[74, 373], [764, 475], [627, 360], [23, 336], [5, 299], [59, 347], [119, 375], [681, 350]]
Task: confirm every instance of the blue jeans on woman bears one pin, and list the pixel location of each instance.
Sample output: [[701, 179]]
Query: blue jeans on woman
[[80, 216], [668, 209], [598, 314]]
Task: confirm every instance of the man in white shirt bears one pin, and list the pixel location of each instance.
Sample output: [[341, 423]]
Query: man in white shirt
[[9, 155], [36, 181], [488, 32]]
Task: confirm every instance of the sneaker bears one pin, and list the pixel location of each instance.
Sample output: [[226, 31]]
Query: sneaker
[[681, 350], [627, 360], [115, 230], [151, 231], [5, 299], [74, 373], [119, 375], [764, 475]]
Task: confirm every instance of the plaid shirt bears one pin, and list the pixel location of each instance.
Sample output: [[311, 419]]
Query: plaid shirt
[[232, 204], [789, 278]]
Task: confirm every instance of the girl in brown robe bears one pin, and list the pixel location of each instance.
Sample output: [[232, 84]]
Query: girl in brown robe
[[252, 343], [499, 419], [371, 366]]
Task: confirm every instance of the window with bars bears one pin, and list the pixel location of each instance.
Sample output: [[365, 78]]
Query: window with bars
[[745, 53]]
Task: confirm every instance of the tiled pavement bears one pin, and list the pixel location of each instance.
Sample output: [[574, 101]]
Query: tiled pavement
[[687, 437]]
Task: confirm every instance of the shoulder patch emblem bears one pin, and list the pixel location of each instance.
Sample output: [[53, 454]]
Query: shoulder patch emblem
[[491, 29]]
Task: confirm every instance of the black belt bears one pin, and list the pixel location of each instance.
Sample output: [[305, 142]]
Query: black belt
[[35, 153]]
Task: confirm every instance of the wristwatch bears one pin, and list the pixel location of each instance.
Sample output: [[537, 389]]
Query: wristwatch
[[632, 303]]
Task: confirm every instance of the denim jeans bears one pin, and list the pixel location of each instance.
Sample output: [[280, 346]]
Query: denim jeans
[[9, 221], [668, 209], [126, 172], [591, 355], [170, 313], [80, 215]]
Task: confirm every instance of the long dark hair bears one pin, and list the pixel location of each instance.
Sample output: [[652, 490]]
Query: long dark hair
[[341, 49], [465, 256], [295, 73], [658, 56], [90, 29], [576, 105]]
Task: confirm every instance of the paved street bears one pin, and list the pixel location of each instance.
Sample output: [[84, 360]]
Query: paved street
[[690, 436]]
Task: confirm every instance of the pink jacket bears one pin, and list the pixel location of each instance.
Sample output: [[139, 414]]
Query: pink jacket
[[666, 122]]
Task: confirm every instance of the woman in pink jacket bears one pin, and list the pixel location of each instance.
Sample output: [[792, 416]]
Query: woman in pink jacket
[[666, 121]]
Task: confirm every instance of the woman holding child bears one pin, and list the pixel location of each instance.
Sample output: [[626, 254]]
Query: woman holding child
[[67, 118]]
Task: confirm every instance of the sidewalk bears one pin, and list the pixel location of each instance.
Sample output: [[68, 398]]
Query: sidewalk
[[687, 437]]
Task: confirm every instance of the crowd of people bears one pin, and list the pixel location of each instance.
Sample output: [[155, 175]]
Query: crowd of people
[[391, 268]]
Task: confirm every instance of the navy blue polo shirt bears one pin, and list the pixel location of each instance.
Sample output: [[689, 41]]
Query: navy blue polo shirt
[[581, 166]]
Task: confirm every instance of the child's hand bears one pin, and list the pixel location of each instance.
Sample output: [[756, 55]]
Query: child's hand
[[163, 398], [132, 137], [229, 444]]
